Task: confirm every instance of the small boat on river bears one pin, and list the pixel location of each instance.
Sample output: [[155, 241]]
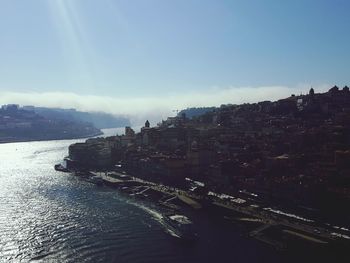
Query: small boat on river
[[180, 225], [95, 180], [59, 167]]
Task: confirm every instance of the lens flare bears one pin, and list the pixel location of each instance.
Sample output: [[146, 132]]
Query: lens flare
[[73, 40]]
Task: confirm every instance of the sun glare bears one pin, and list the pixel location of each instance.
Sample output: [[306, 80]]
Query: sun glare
[[73, 39]]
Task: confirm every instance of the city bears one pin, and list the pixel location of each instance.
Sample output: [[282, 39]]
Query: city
[[291, 153], [174, 131]]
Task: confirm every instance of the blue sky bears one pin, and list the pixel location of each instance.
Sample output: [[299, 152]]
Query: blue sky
[[163, 49]]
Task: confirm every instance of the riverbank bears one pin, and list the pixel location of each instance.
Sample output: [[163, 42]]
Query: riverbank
[[57, 217], [273, 227], [14, 140]]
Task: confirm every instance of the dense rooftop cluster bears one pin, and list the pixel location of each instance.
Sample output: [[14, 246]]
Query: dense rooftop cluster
[[295, 149]]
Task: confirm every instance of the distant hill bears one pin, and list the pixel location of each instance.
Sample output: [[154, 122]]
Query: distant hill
[[194, 112], [98, 119], [17, 124]]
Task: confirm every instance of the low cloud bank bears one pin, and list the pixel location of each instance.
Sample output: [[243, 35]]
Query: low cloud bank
[[154, 108]]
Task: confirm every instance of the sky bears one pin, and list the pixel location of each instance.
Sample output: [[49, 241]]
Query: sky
[[150, 57]]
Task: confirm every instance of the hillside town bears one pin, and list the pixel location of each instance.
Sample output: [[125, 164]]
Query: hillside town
[[294, 151], [24, 124]]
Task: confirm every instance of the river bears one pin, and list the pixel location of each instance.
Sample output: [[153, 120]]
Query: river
[[48, 216]]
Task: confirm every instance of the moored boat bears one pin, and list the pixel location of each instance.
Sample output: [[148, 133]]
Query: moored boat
[[180, 225], [95, 180], [59, 167]]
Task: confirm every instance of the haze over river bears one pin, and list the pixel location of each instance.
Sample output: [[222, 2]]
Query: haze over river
[[49, 216]]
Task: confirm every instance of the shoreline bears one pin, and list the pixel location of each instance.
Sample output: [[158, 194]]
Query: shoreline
[[267, 222], [57, 139]]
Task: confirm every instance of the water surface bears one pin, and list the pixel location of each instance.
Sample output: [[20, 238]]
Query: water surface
[[48, 216]]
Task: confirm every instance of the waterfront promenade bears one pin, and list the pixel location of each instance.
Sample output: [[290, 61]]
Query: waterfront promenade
[[302, 228]]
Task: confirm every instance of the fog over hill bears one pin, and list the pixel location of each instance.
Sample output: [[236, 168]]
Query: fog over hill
[[100, 120], [155, 107]]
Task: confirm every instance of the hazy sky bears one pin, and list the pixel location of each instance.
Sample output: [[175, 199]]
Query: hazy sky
[[163, 54]]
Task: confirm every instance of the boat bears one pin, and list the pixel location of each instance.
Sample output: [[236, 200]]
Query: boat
[[95, 180], [169, 205], [180, 225], [59, 167]]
